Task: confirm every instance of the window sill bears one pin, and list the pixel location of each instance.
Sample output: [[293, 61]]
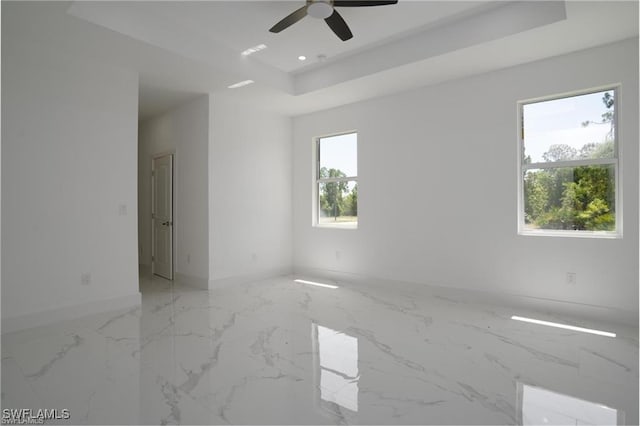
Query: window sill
[[571, 234], [347, 226]]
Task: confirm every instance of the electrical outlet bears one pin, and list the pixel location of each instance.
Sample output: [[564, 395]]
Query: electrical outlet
[[338, 254], [254, 257], [188, 258], [571, 278], [85, 279], [122, 209]]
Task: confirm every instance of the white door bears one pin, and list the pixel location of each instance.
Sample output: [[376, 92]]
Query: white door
[[162, 216]]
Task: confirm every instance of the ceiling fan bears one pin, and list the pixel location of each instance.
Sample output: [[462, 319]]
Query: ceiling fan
[[325, 9]]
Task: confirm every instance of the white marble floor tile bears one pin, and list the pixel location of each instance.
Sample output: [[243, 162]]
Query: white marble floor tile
[[279, 352]]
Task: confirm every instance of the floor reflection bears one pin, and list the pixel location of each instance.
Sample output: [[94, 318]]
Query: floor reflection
[[336, 366], [540, 406]]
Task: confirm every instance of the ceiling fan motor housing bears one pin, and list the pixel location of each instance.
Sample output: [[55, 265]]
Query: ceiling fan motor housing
[[320, 9]]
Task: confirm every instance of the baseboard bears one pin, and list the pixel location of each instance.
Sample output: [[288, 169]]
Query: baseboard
[[560, 309], [192, 281], [37, 319], [230, 281]]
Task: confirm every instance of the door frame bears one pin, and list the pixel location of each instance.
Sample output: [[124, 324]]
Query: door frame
[[154, 157]]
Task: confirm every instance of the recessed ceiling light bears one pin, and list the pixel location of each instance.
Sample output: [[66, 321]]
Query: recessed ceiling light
[[565, 326], [316, 284], [302, 58], [241, 83], [254, 49]]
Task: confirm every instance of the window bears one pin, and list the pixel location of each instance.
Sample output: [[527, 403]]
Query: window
[[568, 182], [336, 183]]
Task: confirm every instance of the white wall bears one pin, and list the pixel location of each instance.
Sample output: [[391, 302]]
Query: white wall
[[250, 192], [185, 130], [0, 183], [438, 187], [68, 168]]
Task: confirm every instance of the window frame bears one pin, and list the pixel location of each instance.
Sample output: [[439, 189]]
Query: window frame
[[317, 181], [615, 161]]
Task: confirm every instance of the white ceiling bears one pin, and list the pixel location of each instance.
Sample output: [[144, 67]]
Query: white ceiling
[[243, 24], [182, 49]]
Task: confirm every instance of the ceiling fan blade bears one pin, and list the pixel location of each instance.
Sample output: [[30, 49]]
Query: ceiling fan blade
[[349, 3], [337, 24], [290, 20]]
